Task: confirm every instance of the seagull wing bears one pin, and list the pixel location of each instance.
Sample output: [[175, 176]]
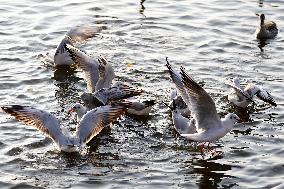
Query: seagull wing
[[106, 74], [265, 96], [203, 107], [176, 78], [43, 121], [89, 65], [239, 91], [81, 33], [95, 120], [118, 92]]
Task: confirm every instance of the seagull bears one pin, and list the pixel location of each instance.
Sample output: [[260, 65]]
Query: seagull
[[179, 96], [90, 125], [208, 124], [182, 124], [75, 35], [141, 108], [243, 97], [88, 64], [118, 92], [266, 30]]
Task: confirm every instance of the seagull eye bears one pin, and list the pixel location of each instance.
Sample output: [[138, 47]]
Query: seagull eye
[[230, 117]]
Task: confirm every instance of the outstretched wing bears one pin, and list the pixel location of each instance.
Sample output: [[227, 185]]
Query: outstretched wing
[[89, 65], [95, 120], [118, 92], [106, 74], [176, 77], [41, 120], [82, 33], [265, 96], [202, 105]]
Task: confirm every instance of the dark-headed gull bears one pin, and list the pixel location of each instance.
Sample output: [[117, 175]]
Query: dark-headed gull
[[208, 124], [243, 97], [74, 35], [266, 30], [90, 125]]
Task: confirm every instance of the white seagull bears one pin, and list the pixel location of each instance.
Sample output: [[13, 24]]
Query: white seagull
[[75, 35], [182, 124], [180, 109], [90, 125], [243, 97], [208, 124], [266, 30]]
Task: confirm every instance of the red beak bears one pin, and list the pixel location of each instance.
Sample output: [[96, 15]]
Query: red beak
[[71, 110]]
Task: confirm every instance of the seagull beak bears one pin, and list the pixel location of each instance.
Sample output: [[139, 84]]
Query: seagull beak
[[71, 110]]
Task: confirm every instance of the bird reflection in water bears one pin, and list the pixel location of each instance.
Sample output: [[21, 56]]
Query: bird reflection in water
[[261, 44], [142, 7], [260, 3], [211, 174]]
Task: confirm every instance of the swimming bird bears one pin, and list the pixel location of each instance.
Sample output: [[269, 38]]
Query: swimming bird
[[242, 97], [208, 124], [266, 30], [140, 108], [75, 35], [90, 125], [180, 98], [88, 64]]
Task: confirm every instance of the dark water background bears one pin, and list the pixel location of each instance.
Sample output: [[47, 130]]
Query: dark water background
[[212, 39]]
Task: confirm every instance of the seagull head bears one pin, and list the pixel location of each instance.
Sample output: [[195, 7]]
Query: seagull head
[[77, 108], [233, 118]]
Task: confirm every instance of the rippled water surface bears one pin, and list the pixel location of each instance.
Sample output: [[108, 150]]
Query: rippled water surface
[[212, 39]]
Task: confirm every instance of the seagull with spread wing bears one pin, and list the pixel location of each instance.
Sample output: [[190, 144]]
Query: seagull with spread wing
[[242, 97], [179, 107], [75, 35], [208, 124], [89, 126]]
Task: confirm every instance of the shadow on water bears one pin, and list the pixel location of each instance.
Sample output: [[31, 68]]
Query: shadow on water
[[211, 173]]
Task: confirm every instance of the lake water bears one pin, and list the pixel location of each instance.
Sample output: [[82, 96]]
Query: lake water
[[212, 39]]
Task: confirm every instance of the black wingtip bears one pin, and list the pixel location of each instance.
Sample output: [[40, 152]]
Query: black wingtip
[[12, 108]]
